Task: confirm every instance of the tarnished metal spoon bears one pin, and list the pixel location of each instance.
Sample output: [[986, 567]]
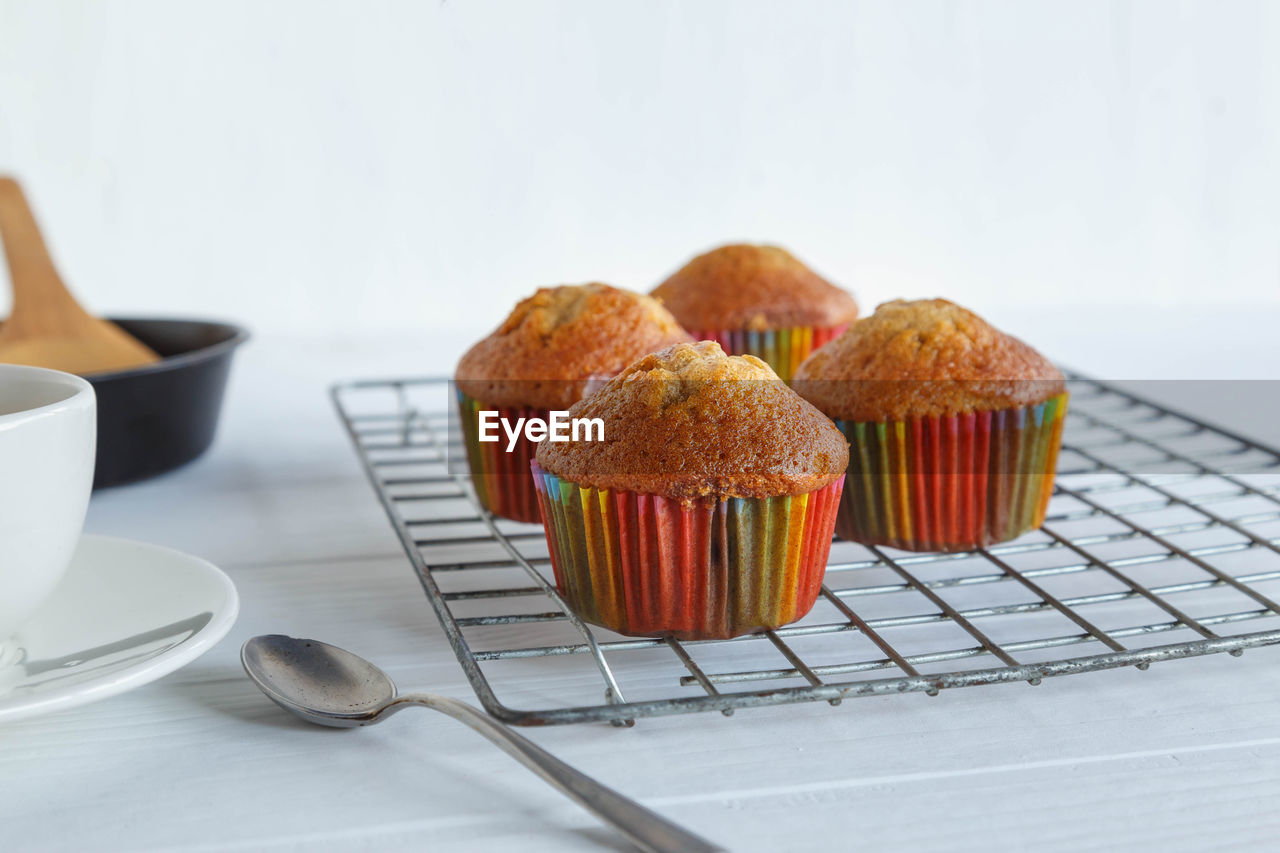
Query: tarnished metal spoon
[[330, 686]]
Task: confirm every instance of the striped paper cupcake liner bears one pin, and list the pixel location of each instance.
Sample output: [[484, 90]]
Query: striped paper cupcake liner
[[950, 483], [501, 479], [647, 565], [782, 349]]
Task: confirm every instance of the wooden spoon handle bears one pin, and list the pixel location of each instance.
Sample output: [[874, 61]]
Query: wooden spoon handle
[[38, 290]]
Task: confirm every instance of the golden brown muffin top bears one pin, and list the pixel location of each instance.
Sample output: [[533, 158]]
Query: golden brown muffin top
[[753, 287], [925, 358], [690, 422], [558, 340]]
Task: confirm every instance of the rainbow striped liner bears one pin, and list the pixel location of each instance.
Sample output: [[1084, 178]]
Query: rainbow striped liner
[[950, 483], [501, 479], [647, 565], [781, 349]]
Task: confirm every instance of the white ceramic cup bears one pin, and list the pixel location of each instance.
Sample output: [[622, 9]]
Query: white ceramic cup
[[48, 436]]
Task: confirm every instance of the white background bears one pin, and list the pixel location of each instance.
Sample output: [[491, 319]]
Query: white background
[[336, 168]]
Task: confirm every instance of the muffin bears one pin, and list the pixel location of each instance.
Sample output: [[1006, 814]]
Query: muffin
[[758, 300], [707, 510], [549, 352], [954, 427]]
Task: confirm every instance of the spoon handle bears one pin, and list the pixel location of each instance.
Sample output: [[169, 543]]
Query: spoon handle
[[645, 828]]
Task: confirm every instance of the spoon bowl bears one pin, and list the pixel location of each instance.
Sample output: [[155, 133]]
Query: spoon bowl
[[321, 683]]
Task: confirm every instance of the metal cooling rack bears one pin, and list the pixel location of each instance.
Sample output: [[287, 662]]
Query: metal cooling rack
[[1162, 542]]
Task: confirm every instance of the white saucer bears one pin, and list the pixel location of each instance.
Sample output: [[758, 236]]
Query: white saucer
[[125, 614]]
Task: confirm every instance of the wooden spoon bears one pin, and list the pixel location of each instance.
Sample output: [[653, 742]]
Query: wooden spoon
[[47, 327]]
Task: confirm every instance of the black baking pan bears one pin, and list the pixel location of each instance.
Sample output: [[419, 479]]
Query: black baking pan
[[156, 418]]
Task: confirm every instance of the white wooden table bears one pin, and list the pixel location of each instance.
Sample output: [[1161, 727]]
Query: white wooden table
[[1184, 756]]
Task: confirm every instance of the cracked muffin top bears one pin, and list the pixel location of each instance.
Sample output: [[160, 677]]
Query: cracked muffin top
[[558, 341], [753, 287], [924, 358], [690, 422]]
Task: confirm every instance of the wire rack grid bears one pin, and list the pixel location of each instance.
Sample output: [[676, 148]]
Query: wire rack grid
[[1162, 542]]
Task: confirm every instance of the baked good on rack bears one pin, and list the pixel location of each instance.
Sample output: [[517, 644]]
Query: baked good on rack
[[553, 348], [707, 511], [758, 300], [954, 426]]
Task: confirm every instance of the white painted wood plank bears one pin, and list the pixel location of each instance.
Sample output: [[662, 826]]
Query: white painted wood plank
[[874, 761]]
